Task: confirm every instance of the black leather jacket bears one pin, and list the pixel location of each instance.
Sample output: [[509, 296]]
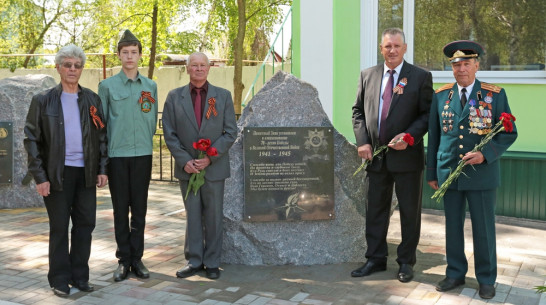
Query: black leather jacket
[[45, 138]]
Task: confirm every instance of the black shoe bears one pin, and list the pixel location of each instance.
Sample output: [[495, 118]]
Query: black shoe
[[213, 273], [62, 291], [487, 291], [368, 268], [121, 273], [83, 286], [188, 271], [405, 273], [448, 284], [140, 270]]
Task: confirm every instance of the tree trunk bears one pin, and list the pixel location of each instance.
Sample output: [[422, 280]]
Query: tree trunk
[[151, 63], [238, 57]]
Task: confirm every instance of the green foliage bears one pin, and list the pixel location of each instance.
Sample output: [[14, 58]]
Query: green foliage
[[184, 42], [512, 32], [40, 25], [261, 16]]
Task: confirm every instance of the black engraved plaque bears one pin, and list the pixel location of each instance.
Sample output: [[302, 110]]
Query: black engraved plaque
[[6, 152], [289, 173]]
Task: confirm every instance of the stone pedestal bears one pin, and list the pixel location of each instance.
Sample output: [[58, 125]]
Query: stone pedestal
[[15, 97], [285, 101]]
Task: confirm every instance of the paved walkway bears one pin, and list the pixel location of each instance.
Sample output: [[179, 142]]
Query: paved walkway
[[24, 264]]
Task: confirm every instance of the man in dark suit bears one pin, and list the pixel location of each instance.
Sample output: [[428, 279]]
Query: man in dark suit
[[393, 99], [193, 112], [462, 113]]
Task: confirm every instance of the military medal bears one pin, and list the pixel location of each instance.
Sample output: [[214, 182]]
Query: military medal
[[447, 122], [480, 118], [489, 98], [146, 100]]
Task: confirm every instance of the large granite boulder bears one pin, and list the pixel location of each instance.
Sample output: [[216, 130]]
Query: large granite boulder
[[286, 101], [15, 97]]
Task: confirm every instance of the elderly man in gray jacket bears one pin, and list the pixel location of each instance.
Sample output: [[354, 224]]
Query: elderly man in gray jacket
[[194, 112]]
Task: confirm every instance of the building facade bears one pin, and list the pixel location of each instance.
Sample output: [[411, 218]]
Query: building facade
[[333, 40]]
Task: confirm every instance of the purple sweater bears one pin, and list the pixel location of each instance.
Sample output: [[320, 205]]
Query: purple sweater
[[72, 130]]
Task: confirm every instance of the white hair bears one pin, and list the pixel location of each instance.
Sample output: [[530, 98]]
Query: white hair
[[197, 54], [70, 51]]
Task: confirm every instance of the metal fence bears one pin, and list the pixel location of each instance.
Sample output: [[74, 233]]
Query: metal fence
[[163, 162]]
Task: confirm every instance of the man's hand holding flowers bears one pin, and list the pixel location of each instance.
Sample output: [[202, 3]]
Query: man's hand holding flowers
[[401, 141], [196, 167], [367, 153]]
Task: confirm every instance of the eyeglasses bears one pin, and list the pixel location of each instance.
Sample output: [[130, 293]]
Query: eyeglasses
[[69, 65]]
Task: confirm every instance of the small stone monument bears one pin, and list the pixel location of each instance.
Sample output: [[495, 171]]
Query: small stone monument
[[15, 96], [285, 101]]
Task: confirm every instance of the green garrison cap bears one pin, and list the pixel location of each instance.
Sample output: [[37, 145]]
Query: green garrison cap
[[128, 37], [462, 50]]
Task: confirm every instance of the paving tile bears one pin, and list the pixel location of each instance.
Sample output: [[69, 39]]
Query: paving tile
[[24, 267], [247, 299], [299, 297], [260, 301]]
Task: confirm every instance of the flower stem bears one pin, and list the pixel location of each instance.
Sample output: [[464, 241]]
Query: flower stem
[[366, 162]]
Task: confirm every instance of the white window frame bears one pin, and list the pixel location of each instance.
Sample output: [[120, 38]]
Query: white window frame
[[368, 48]]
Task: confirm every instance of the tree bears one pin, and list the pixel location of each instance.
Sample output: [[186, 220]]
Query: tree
[[151, 62], [241, 20], [30, 21]]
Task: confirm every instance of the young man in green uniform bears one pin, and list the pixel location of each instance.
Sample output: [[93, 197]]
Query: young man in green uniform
[[129, 103], [461, 114]]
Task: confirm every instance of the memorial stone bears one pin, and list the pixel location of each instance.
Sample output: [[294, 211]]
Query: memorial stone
[[285, 101], [15, 96]]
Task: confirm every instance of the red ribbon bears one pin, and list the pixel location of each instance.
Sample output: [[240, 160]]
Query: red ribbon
[[96, 120], [212, 108], [146, 95]]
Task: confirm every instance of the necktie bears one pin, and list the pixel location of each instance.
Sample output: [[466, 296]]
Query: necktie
[[463, 97], [387, 97], [197, 106]]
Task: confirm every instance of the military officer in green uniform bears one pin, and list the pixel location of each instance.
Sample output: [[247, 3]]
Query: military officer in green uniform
[[129, 102], [461, 114]]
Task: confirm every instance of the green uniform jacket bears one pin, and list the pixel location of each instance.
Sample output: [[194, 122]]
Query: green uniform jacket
[[450, 136], [131, 122]]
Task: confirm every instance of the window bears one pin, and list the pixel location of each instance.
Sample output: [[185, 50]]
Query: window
[[391, 14], [512, 32]]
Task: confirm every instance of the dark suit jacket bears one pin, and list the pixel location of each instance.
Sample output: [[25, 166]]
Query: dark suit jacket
[[409, 113], [446, 148], [181, 131]]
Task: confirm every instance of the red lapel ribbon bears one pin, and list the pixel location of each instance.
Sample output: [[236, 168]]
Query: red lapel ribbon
[[147, 95], [96, 120], [212, 108]]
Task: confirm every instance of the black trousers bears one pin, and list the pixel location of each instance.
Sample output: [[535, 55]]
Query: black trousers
[[78, 203], [129, 180], [408, 186]]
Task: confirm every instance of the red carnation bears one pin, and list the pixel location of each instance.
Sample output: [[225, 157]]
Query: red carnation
[[507, 119], [408, 139]]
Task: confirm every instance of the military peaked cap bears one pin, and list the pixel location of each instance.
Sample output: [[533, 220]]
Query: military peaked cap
[[462, 50]]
